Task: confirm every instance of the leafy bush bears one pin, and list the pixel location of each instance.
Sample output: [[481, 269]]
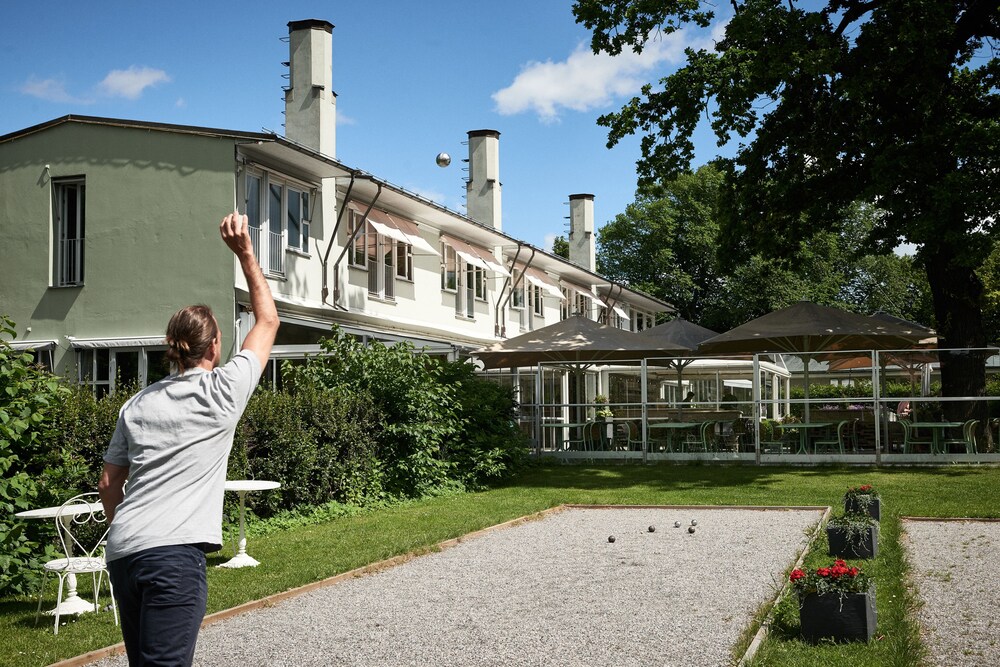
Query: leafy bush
[[27, 397], [488, 444], [82, 426], [321, 446], [418, 410]]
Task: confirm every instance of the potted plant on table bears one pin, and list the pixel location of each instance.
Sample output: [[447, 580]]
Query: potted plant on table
[[835, 602], [603, 412], [853, 535], [863, 499]]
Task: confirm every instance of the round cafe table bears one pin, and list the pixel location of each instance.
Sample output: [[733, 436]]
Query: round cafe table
[[242, 487], [72, 603]]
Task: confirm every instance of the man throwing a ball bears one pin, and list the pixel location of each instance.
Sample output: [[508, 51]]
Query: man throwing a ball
[[171, 445]]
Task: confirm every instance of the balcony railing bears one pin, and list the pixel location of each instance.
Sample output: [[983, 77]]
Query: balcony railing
[[275, 254], [255, 241], [70, 262]]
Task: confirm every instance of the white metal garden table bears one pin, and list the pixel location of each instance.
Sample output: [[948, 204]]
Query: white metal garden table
[[242, 487]]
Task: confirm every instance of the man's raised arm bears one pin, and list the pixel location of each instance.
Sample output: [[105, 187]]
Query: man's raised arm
[[261, 336]]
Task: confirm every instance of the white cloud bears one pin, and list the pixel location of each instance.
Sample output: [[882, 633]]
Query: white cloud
[[51, 90], [129, 83], [181, 103], [548, 241], [344, 119], [586, 81]]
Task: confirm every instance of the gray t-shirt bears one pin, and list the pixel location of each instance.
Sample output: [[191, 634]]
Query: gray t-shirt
[[175, 436]]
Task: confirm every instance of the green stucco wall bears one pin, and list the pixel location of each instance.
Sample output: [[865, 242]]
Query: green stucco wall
[[154, 200]]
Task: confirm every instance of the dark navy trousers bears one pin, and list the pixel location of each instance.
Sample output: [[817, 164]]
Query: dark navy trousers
[[161, 595]]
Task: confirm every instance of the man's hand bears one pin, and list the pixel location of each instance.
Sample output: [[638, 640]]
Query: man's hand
[[236, 234]]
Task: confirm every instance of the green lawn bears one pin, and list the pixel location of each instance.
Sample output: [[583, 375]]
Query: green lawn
[[298, 556]]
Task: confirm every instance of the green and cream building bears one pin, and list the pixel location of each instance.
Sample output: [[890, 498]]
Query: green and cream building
[[109, 226]]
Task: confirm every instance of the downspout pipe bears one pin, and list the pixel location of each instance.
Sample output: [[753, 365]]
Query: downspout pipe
[[350, 244], [612, 301], [498, 328], [333, 239]]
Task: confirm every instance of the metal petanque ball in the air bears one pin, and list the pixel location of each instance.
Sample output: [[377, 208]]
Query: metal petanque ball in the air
[[691, 529], [443, 159], [652, 529], [611, 538]]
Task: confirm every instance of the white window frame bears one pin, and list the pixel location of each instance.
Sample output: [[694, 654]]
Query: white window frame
[[382, 274], [254, 212], [537, 301], [517, 294], [404, 261], [269, 229], [450, 269], [97, 367], [358, 254], [641, 320], [69, 240], [479, 287], [295, 193]]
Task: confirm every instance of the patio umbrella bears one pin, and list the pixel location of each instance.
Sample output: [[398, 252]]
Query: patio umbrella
[[575, 340], [683, 333], [806, 328], [913, 362], [680, 332]]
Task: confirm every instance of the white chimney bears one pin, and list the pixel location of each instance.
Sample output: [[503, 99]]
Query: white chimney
[[582, 250], [310, 103], [483, 187]]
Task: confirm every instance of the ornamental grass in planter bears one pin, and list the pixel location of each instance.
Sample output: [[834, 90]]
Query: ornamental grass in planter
[[835, 602], [853, 535], [863, 499]]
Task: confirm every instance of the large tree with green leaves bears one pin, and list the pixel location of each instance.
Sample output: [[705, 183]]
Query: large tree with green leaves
[[667, 243], [892, 103]]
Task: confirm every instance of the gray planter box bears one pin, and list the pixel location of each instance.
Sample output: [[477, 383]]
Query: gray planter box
[[874, 509], [866, 547], [850, 618]]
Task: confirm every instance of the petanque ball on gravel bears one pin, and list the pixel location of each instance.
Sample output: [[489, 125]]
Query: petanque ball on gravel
[[652, 529], [677, 524], [611, 538], [694, 522], [691, 529]]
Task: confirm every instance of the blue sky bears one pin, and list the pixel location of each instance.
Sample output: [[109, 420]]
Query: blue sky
[[411, 78]]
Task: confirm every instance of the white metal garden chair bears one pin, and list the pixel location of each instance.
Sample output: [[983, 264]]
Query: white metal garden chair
[[82, 527]]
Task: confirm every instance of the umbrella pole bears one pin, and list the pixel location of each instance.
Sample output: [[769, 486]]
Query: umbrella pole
[[644, 397], [805, 365], [756, 396], [680, 392]]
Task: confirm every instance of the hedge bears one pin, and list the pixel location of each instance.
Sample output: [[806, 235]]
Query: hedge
[[356, 425]]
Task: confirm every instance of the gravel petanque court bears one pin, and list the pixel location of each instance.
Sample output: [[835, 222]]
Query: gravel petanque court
[[954, 569], [552, 591]]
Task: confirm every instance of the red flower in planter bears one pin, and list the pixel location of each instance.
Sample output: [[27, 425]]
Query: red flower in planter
[[836, 578]]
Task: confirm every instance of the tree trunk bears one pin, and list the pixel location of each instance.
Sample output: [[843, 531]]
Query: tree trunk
[[958, 298]]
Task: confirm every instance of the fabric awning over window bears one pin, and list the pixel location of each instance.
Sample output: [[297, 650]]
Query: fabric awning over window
[[542, 280], [621, 311], [101, 343], [21, 345], [584, 291], [395, 227], [409, 228], [476, 256]]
